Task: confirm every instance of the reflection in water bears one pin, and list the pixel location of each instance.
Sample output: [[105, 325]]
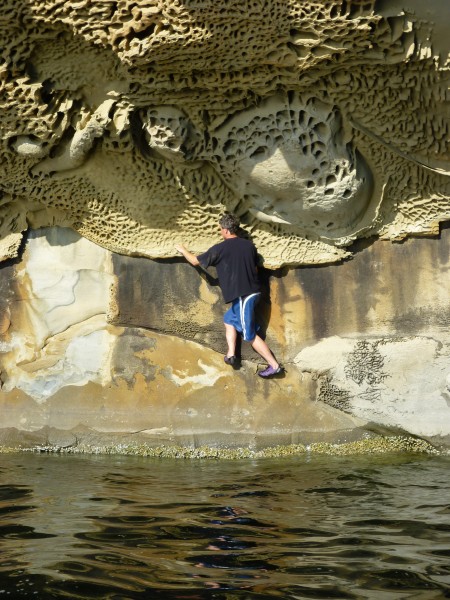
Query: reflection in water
[[128, 528]]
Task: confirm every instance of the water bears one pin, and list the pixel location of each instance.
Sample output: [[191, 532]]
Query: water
[[121, 528]]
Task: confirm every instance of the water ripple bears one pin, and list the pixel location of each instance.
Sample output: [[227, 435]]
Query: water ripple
[[124, 529]]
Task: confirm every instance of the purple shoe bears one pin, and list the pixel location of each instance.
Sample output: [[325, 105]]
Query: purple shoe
[[270, 372]]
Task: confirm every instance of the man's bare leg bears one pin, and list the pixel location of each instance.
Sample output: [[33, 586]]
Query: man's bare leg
[[263, 350], [231, 335]]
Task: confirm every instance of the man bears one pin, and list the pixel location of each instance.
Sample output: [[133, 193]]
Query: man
[[236, 262]]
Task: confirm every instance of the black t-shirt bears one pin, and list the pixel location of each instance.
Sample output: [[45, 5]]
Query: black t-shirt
[[235, 260]]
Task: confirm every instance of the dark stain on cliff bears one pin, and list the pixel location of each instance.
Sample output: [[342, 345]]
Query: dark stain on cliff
[[162, 295], [6, 274], [381, 285], [318, 284], [264, 308], [412, 265], [156, 294], [130, 344]]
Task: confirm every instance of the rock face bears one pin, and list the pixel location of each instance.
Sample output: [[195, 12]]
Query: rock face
[[127, 127], [137, 123], [98, 346]]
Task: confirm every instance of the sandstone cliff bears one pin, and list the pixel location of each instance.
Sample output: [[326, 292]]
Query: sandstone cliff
[[129, 126]]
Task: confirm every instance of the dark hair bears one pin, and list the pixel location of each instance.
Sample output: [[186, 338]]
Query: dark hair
[[230, 222]]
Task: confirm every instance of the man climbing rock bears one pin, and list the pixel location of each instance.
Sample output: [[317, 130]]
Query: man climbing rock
[[235, 259]]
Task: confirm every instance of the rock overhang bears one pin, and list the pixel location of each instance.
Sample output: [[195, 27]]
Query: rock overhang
[[138, 124]]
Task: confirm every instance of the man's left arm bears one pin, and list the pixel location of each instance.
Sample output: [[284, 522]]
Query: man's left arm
[[187, 255]]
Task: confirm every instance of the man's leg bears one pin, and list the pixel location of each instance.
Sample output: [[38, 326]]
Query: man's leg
[[250, 328], [231, 335], [263, 350]]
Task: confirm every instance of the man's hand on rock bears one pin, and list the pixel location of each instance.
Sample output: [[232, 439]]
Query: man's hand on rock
[[187, 255]]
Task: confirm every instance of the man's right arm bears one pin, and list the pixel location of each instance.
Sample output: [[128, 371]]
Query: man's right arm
[[187, 255]]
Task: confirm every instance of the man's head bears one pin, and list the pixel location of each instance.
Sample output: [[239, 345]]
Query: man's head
[[230, 223]]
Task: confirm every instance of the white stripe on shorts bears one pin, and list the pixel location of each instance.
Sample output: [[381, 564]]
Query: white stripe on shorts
[[242, 307]]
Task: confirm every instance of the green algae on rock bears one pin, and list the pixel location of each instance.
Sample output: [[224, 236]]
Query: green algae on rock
[[375, 445]]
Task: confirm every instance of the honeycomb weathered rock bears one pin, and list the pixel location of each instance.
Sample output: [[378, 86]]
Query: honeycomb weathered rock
[[138, 123]]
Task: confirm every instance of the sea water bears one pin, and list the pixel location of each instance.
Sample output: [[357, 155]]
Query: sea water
[[313, 526]]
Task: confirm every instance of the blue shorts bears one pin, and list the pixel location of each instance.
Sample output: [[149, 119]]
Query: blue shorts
[[241, 315]]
